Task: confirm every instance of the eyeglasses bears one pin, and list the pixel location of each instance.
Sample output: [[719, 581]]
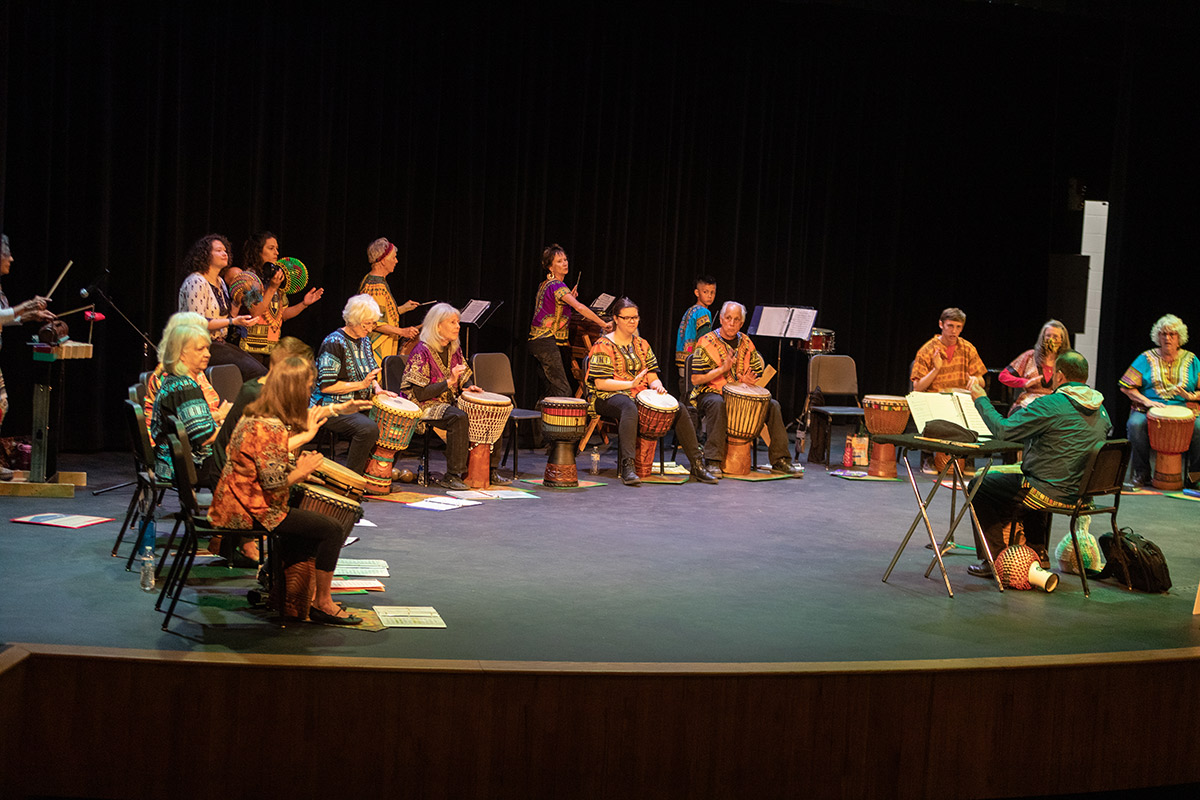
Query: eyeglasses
[[628, 318]]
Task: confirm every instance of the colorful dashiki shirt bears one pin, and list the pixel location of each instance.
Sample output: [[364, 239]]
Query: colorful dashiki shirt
[[154, 382], [712, 350], [610, 360], [180, 397], [383, 344], [426, 367], [696, 322], [1160, 380], [342, 358], [954, 373], [551, 314], [253, 485], [263, 337]]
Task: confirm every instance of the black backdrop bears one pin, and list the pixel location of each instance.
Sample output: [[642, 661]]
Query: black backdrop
[[876, 165]]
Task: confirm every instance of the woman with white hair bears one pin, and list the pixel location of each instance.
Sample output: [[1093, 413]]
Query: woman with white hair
[[434, 377], [184, 354], [346, 371], [31, 310], [1166, 375]]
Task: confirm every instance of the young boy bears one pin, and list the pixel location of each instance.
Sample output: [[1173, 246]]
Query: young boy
[[696, 322]]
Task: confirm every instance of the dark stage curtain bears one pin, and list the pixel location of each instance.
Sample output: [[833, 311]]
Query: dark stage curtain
[[877, 166]]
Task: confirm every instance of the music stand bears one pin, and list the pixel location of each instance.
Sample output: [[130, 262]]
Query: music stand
[[476, 313], [783, 322]]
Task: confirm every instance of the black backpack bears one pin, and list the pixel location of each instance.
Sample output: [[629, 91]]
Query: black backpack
[[1147, 567]]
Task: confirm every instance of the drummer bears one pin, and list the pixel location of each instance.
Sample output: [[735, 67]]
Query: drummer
[[1165, 375], [258, 288], [723, 356], [947, 361], [388, 338], [1032, 372], [620, 365], [696, 322], [346, 370], [434, 377]]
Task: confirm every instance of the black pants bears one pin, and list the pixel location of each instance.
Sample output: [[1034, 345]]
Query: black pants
[[454, 422], [363, 433], [712, 408], [222, 352], [553, 360], [999, 502], [623, 409], [306, 534]]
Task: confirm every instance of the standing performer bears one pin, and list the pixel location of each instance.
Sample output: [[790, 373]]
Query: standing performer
[[696, 322], [549, 337], [620, 365], [346, 371], [387, 336], [434, 377], [253, 492], [256, 289], [1162, 376], [205, 293], [947, 361], [723, 356], [1032, 372], [30, 310]]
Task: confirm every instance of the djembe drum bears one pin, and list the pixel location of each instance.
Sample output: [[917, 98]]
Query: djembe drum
[[656, 416], [341, 509], [1019, 568], [341, 479], [564, 420], [745, 414], [397, 418], [1170, 431], [487, 414], [885, 414]]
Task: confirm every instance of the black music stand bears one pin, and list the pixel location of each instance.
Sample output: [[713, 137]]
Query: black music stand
[[783, 322], [987, 449], [475, 313]]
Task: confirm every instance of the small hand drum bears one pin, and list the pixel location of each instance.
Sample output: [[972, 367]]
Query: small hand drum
[[1170, 430], [342, 510], [341, 479], [656, 416], [487, 414]]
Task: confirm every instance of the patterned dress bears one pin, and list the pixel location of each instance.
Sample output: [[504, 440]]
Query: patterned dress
[[383, 344], [253, 485], [342, 358], [180, 397], [427, 367]]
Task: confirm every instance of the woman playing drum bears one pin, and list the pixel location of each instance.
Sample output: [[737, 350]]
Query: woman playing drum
[[548, 334], [1163, 376], [257, 289], [205, 293], [387, 337], [1032, 372], [620, 365], [252, 492], [435, 377]]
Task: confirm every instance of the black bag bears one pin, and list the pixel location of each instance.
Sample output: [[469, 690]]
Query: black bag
[[1147, 567]]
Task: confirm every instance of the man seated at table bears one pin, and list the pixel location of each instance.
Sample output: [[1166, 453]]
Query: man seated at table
[[1059, 432], [728, 356]]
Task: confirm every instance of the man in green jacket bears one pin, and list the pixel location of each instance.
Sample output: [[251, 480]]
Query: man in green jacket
[[1059, 431]]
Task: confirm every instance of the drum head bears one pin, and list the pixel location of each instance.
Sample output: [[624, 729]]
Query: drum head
[[331, 497], [401, 405], [746, 390], [1172, 413], [563, 402], [661, 402], [884, 400], [486, 398]]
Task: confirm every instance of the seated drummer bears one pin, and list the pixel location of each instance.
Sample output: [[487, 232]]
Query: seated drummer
[[947, 361], [434, 377], [346, 370], [723, 356], [1165, 375], [620, 365]]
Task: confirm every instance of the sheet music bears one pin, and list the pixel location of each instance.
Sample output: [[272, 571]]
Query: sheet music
[[966, 406], [774, 321], [600, 304], [472, 311], [801, 323], [956, 407]]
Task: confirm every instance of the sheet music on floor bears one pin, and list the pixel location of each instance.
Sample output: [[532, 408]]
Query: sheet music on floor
[[409, 617], [956, 407], [362, 568]]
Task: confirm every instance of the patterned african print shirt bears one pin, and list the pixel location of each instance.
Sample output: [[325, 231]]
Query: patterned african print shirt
[[426, 368], [610, 360], [253, 485], [383, 344], [712, 349], [342, 358], [696, 322], [263, 337], [551, 314], [1161, 381], [954, 373], [154, 382], [180, 397]]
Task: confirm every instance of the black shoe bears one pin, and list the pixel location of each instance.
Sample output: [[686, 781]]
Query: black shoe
[[453, 483], [701, 474], [629, 476], [785, 467], [496, 479], [714, 469], [1135, 483], [317, 615], [981, 570]]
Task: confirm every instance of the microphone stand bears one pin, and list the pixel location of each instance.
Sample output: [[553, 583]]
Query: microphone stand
[[147, 345]]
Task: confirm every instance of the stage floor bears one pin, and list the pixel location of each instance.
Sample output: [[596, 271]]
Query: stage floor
[[779, 571]]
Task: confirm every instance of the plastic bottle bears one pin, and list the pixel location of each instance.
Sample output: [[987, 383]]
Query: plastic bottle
[[149, 536], [596, 460], [147, 569]]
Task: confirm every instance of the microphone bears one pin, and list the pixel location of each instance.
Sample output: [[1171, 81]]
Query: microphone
[[93, 316], [100, 280]]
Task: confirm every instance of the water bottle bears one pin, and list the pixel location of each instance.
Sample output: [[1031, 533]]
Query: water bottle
[[147, 570], [149, 535], [595, 460]]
